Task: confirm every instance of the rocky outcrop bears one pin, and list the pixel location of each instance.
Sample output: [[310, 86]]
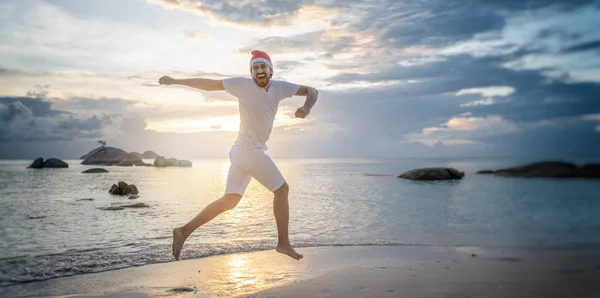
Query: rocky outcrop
[[548, 169], [162, 162], [121, 207], [432, 174], [95, 170], [123, 189], [149, 155], [136, 154], [39, 163], [112, 156]]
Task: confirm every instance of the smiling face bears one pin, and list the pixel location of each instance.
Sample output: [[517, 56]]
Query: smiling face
[[261, 73]]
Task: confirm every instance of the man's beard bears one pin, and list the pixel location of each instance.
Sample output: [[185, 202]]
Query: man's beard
[[263, 83]]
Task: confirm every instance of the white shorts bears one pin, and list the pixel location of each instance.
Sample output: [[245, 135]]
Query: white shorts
[[251, 162]]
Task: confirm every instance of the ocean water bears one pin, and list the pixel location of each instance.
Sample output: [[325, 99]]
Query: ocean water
[[48, 231]]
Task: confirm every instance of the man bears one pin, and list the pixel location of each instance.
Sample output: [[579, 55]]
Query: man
[[258, 99]]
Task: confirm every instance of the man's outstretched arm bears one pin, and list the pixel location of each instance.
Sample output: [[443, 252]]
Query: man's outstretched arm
[[311, 98], [203, 84]]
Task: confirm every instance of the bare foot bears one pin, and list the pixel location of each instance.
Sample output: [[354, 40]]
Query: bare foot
[[178, 239], [288, 250]]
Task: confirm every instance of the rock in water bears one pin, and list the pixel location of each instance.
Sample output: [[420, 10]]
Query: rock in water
[[549, 169], [589, 171], [95, 170], [185, 163], [432, 174], [38, 163], [115, 190], [110, 156], [123, 189], [48, 163], [149, 155], [55, 163], [160, 162]]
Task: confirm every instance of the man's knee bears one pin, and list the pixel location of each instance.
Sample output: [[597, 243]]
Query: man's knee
[[231, 200], [283, 189]]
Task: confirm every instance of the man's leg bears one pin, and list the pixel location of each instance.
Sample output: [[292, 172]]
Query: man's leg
[[180, 234], [237, 181], [282, 216]]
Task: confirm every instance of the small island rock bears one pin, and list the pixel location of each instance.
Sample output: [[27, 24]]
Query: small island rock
[[123, 189], [111, 156], [39, 163], [149, 155], [95, 170], [548, 169], [432, 174]]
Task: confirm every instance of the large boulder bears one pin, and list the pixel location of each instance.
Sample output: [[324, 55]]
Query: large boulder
[[111, 156], [432, 174], [548, 169], [123, 189], [39, 163], [149, 155], [55, 163], [589, 171], [162, 162], [185, 163]]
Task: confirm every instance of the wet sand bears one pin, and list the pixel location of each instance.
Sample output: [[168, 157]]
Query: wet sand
[[363, 271]]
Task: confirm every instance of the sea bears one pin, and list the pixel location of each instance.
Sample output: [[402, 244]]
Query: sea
[[53, 222]]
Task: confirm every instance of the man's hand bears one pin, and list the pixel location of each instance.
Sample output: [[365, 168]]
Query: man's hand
[[166, 80], [302, 112]]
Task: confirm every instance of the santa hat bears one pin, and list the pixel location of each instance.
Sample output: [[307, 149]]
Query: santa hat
[[260, 56]]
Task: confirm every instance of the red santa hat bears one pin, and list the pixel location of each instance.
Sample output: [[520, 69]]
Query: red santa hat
[[260, 56]]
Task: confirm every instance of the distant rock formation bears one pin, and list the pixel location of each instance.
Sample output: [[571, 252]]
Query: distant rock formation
[[432, 174], [136, 154], [123, 189], [149, 155], [39, 163], [96, 150], [95, 170], [548, 169], [162, 162], [111, 156]]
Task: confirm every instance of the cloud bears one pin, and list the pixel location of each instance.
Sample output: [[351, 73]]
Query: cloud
[[558, 42], [488, 93], [460, 130]]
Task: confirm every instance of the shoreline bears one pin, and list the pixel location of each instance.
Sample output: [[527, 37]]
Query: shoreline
[[342, 271]]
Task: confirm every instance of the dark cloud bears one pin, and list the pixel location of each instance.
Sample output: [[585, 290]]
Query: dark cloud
[[583, 47], [90, 124], [26, 119], [575, 139], [39, 107]]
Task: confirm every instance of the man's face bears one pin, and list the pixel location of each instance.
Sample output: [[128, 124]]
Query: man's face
[[261, 73]]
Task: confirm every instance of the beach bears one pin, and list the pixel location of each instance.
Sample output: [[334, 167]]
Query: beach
[[354, 271]]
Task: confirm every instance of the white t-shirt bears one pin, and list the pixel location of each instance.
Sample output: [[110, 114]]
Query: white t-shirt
[[257, 107]]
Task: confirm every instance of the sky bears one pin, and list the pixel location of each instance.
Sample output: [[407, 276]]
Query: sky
[[429, 78]]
